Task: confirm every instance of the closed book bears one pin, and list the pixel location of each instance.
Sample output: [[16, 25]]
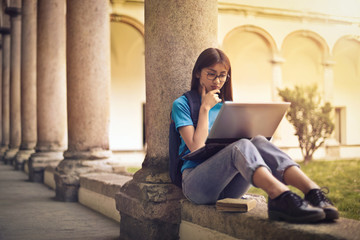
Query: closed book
[[235, 205]]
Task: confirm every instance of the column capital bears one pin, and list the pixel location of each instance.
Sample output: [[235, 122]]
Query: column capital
[[277, 59], [13, 11], [328, 62]]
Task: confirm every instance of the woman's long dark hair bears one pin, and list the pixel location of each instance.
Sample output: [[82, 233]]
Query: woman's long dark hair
[[208, 58]]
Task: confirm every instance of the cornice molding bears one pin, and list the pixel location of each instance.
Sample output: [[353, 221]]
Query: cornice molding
[[286, 13]]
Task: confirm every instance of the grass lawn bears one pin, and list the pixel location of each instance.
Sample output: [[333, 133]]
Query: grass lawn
[[342, 177]]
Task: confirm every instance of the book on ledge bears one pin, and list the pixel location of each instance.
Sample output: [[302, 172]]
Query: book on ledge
[[235, 205]]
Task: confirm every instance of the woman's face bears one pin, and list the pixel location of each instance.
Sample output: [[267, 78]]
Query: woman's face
[[217, 71]]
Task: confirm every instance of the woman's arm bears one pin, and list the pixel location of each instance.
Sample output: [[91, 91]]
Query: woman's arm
[[195, 138]]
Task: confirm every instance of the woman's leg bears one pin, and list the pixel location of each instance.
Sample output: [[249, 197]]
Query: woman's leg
[[283, 167], [288, 172], [265, 180], [236, 188], [206, 183], [297, 178], [277, 160]]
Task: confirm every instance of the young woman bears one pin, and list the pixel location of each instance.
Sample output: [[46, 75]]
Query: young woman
[[257, 162]]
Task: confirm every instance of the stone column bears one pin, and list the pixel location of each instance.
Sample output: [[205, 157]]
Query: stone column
[[51, 88], [175, 34], [28, 82], [328, 80], [277, 61], [1, 59], [5, 87], [1, 49], [14, 10], [332, 146], [88, 95]]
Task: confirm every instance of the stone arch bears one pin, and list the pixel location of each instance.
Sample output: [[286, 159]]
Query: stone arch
[[128, 20], [319, 40], [251, 50], [354, 42], [346, 69], [127, 83], [260, 32], [305, 53]]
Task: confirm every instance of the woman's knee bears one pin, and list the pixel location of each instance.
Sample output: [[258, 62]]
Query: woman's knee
[[260, 141], [259, 138], [241, 143]]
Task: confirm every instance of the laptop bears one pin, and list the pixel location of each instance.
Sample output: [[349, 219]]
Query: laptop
[[240, 120]]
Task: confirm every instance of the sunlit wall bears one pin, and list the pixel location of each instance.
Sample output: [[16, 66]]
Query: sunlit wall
[[271, 44], [127, 87]]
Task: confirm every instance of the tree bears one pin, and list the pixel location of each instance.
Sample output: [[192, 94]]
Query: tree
[[311, 120]]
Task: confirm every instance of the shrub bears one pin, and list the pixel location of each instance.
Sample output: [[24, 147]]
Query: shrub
[[310, 117]]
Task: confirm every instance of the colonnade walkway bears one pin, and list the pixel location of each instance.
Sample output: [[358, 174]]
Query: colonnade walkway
[[29, 211]]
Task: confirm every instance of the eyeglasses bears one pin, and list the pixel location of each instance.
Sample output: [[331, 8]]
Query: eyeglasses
[[222, 77]]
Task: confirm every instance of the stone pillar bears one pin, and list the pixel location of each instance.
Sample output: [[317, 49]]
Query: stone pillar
[[1, 59], [88, 95], [328, 80], [332, 146], [28, 82], [1, 49], [51, 88], [14, 10], [277, 61], [5, 87], [175, 34]]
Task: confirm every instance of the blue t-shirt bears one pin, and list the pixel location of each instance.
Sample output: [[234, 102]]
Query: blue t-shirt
[[182, 117]]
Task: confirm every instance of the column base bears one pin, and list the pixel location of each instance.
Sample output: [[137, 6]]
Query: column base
[[39, 161], [3, 150], [149, 210], [9, 157], [132, 228], [67, 176], [21, 157], [332, 149]]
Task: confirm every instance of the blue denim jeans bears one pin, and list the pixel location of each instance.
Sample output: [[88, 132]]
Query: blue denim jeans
[[228, 174]]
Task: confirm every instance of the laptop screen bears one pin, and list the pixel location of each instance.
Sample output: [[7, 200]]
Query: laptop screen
[[246, 120]]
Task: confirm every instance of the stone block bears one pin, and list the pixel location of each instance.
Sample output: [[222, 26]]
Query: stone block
[[99, 202], [107, 184], [97, 191]]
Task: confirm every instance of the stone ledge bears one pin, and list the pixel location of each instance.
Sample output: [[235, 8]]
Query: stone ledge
[[256, 225], [49, 175], [107, 184], [100, 203], [97, 191], [195, 232]]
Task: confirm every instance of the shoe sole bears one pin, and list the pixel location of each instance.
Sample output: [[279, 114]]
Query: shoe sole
[[279, 216], [331, 215]]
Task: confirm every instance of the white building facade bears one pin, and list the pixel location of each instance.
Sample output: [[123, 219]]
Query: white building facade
[[271, 45]]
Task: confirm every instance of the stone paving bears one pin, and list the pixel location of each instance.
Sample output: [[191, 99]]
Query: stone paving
[[28, 211]]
